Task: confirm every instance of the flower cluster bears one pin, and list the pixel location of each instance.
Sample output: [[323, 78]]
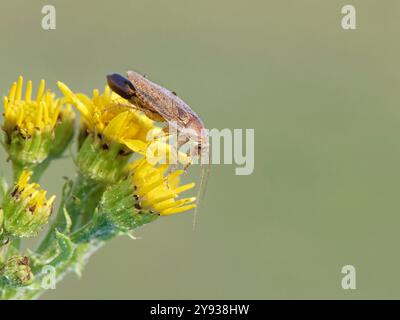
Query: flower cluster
[[124, 179]]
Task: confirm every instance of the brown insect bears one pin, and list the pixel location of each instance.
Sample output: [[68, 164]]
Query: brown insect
[[162, 105]]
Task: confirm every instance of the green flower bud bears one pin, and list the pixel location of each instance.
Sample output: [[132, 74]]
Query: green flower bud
[[16, 272], [118, 212], [25, 208], [101, 161], [28, 151], [121, 206], [64, 131], [147, 193]]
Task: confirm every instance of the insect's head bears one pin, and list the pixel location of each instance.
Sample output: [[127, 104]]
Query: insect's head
[[121, 86]]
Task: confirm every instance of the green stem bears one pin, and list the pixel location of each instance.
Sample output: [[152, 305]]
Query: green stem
[[79, 203], [13, 247], [39, 170], [17, 170], [97, 229], [82, 254]]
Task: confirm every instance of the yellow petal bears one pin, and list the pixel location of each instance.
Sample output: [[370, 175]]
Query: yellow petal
[[113, 129], [18, 94], [41, 90], [184, 188], [171, 211], [78, 104], [135, 145], [12, 92], [28, 92]]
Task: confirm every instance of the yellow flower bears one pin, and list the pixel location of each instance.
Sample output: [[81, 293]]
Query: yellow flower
[[111, 116], [117, 120], [27, 115], [25, 208], [145, 194], [157, 191], [36, 197], [32, 124]]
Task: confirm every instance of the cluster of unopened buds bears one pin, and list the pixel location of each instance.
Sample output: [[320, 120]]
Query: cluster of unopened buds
[[115, 190]]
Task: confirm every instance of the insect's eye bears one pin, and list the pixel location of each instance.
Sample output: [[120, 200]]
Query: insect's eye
[[121, 86], [130, 85]]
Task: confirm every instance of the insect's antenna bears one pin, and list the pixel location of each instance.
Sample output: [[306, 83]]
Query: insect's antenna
[[207, 175], [118, 104], [204, 176], [199, 193]]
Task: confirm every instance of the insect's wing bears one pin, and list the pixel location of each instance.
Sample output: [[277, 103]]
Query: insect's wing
[[172, 110], [160, 100]]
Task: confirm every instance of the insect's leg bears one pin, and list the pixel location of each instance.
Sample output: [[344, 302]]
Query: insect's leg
[[166, 130], [122, 105], [186, 166], [182, 140], [164, 134], [176, 141]]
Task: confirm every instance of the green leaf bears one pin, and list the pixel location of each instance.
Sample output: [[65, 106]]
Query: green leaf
[[68, 221]]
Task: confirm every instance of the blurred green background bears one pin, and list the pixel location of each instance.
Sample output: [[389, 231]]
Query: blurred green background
[[325, 106]]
